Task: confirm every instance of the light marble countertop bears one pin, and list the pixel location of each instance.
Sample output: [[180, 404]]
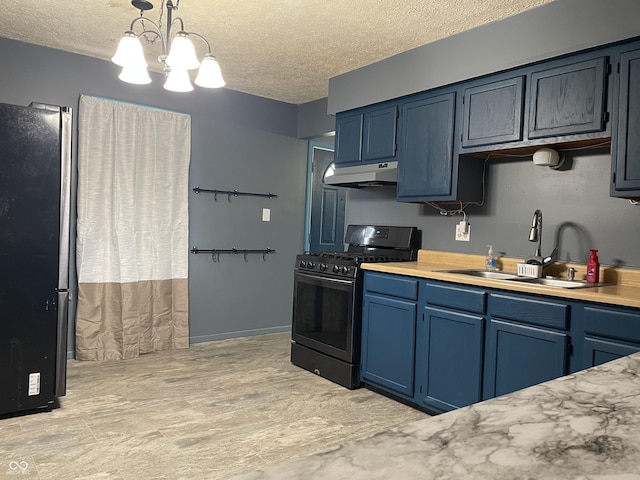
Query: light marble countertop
[[585, 426]]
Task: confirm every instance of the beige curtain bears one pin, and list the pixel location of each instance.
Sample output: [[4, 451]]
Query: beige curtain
[[132, 232]]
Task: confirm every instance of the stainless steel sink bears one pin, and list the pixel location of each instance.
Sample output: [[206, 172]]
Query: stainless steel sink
[[547, 282], [483, 274], [557, 282]]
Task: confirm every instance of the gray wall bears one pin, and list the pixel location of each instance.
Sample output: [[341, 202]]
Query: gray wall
[[239, 141], [236, 297], [578, 213], [313, 120], [556, 28]]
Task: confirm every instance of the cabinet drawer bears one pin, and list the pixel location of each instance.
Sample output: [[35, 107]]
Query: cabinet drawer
[[612, 323], [458, 298], [391, 285], [536, 312]]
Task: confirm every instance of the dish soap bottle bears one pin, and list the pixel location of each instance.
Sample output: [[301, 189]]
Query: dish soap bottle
[[490, 260], [593, 268]]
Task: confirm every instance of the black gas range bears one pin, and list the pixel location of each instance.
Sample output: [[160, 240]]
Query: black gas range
[[327, 299]]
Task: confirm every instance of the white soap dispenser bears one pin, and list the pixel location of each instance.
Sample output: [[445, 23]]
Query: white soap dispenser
[[490, 260]]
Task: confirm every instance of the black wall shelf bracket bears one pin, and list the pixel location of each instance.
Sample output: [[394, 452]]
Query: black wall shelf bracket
[[215, 253], [232, 193]]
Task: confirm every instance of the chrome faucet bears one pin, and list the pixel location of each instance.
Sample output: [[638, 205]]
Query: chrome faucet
[[535, 235]]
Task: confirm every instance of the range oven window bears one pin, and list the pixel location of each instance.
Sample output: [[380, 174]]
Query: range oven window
[[323, 314]]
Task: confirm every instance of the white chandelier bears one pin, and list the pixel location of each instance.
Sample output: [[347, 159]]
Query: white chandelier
[[176, 64]]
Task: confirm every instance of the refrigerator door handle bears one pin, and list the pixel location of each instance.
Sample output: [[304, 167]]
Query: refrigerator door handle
[[65, 196], [61, 344]]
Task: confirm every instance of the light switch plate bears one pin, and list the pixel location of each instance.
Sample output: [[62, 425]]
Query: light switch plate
[[266, 214]]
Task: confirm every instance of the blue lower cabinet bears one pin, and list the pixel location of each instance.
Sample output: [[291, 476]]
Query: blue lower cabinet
[[608, 333], [518, 356], [466, 344], [449, 351], [388, 343], [601, 350]]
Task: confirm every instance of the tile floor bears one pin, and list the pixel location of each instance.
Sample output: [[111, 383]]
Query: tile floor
[[212, 411]]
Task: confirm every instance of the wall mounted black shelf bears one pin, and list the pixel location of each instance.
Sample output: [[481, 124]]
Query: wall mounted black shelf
[[215, 253], [232, 193]]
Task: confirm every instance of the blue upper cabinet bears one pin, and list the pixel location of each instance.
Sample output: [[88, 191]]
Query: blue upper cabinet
[[560, 100], [425, 163], [379, 135], [348, 149], [366, 135], [429, 167], [568, 97], [437, 136], [492, 111], [625, 146]]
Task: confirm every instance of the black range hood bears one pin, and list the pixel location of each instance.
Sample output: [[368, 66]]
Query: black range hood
[[368, 175]]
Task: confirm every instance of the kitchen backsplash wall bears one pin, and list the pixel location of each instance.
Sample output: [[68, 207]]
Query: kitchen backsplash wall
[[239, 141], [578, 213]]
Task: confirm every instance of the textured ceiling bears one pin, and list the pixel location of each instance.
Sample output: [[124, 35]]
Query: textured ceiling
[[281, 49]]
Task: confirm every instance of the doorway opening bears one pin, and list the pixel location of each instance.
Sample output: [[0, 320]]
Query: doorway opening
[[325, 204]]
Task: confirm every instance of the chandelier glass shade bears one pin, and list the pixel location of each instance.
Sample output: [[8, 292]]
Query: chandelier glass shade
[[182, 53], [129, 51], [178, 54], [178, 81], [209, 75], [134, 74]]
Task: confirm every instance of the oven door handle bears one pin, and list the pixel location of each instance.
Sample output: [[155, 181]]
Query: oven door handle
[[325, 279]]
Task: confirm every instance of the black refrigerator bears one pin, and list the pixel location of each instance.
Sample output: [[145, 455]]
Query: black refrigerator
[[35, 175]]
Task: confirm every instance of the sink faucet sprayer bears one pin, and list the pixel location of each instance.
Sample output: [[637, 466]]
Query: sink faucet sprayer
[[535, 235]]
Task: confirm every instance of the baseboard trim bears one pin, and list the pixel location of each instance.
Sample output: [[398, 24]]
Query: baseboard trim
[[239, 333], [223, 336]]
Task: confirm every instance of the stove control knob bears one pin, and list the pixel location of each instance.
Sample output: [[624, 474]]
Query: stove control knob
[[336, 269], [345, 270], [310, 265], [303, 264], [323, 266]]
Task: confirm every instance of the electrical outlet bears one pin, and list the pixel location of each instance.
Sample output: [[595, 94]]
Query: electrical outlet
[[266, 214], [463, 234]]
